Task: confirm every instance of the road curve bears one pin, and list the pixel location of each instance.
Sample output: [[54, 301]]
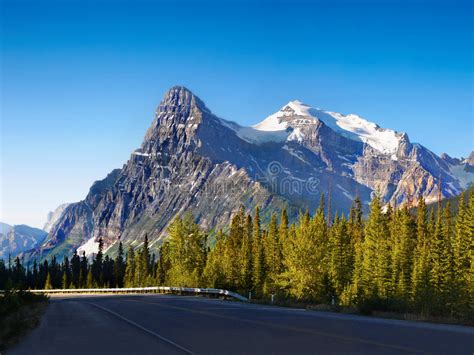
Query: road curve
[[158, 324]]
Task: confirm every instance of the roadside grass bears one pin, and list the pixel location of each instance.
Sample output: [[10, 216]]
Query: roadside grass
[[414, 317], [19, 313]]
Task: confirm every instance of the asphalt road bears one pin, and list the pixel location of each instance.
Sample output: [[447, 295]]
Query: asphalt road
[[158, 324]]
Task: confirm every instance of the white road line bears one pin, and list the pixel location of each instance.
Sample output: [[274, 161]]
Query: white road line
[[166, 340]]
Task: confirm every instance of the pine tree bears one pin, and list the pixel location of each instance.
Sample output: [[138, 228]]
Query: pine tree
[[246, 256], [65, 281], [353, 292], [108, 272], [142, 264], [119, 267], [75, 269], [462, 260], [376, 276], [83, 271], [196, 249], [403, 242], [90, 280], [305, 270], [213, 272], [448, 231], [273, 253], [283, 229], [421, 287], [231, 255], [164, 264], [470, 229], [258, 252], [187, 252], [97, 265], [440, 262], [35, 275], [66, 273], [48, 284], [129, 280], [340, 250], [318, 228], [55, 271]]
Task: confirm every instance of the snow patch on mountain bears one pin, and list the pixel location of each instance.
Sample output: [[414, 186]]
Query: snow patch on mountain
[[255, 136], [90, 247], [271, 124], [294, 153], [140, 153], [346, 193], [296, 135], [355, 127]]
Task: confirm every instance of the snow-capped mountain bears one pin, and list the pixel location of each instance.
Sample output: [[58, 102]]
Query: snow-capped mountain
[[296, 114], [192, 160], [382, 159]]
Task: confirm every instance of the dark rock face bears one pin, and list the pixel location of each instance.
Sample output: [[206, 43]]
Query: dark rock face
[[191, 160]]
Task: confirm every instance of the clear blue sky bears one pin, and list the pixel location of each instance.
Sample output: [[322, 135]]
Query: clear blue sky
[[80, 80]]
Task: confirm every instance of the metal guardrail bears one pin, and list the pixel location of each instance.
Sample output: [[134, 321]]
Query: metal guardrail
[[155, 289]]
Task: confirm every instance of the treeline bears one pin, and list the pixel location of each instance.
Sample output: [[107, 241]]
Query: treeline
[[394, 260], [133, 270], [77, 272]]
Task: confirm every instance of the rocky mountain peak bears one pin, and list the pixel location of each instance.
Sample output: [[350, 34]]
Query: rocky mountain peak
[[179, 99], [176, 120]]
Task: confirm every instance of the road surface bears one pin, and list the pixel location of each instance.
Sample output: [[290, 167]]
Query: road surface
[[159, 324]]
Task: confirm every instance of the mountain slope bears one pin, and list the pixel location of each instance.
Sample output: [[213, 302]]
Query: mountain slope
[[54, 216], [19, 238], [192, 160]]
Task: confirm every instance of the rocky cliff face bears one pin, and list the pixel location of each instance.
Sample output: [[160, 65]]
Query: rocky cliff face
[[54, 216], [191, 160]]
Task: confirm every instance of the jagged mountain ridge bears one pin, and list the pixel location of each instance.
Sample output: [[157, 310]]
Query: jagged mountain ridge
[[192, 160]]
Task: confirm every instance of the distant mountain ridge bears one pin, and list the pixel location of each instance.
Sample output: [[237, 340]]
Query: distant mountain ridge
[[17, 239], [192, 160]]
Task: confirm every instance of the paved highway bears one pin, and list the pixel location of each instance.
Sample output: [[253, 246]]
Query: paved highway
[[158, 324]]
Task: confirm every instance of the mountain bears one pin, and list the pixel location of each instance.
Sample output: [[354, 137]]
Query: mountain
[[19, 238], [469, 163], [191, 160], [53, 217], [4, 228]]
